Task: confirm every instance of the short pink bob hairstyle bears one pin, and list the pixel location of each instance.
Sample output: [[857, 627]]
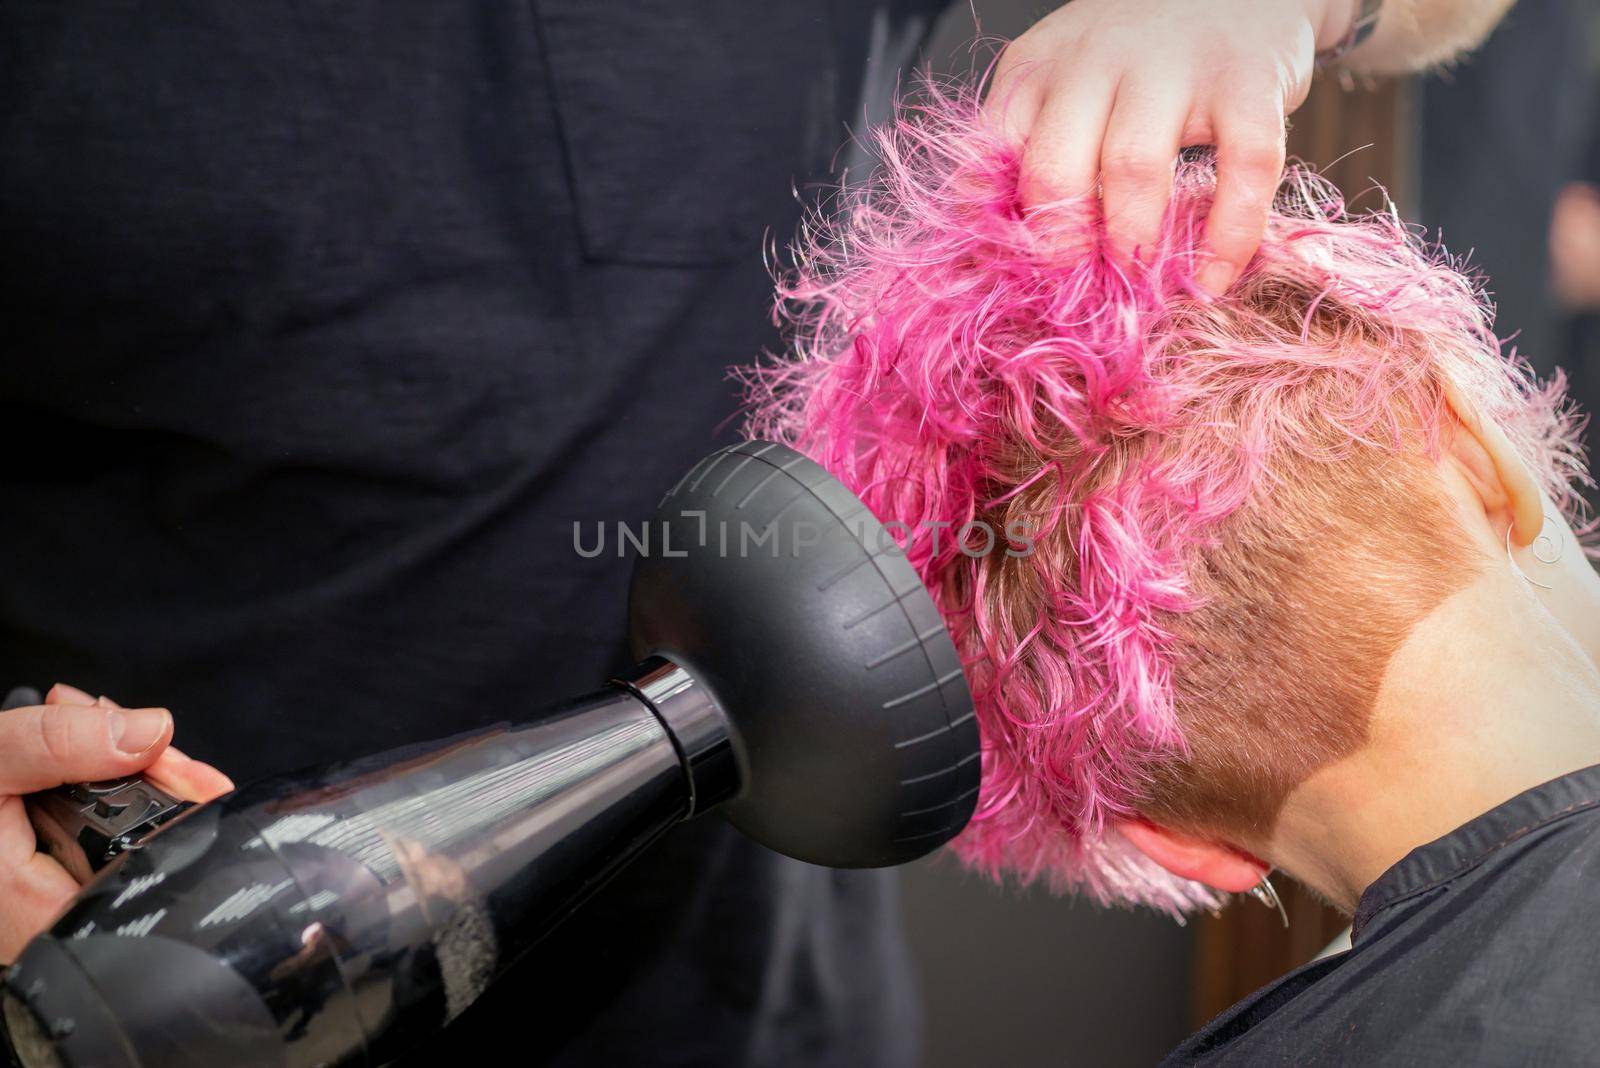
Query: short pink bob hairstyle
[[953, 359]]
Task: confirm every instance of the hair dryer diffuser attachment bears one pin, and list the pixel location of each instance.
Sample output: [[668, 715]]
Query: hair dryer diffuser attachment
[[795, 673], [776, 588]]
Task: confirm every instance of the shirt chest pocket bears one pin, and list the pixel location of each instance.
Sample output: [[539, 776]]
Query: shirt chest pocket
[[685, 126]]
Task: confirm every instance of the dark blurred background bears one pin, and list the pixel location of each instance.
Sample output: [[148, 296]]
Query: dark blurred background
[[1499, 156]]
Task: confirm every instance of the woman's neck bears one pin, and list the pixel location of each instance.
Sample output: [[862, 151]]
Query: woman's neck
[[1489, 696]]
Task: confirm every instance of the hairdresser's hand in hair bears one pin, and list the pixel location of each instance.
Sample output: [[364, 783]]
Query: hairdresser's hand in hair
[[1112, 89], [73, 737]]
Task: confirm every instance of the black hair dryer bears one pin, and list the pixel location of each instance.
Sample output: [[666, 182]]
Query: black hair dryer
[[794, 675]]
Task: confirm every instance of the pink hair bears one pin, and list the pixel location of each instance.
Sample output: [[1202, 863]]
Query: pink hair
[[938, 328]]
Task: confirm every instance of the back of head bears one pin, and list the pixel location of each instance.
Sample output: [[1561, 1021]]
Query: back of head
[[1216, 518]]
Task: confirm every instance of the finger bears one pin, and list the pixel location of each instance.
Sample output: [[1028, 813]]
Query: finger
[[1250, 155], [1013, 99], [1062, 155], [173, 771], [1015, 112], [1140, 153], [33, 886], [48, 745], [63, 694], [184, 777]]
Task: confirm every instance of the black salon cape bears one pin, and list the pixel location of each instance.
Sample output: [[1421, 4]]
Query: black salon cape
[[323, 325], [1479, 948]]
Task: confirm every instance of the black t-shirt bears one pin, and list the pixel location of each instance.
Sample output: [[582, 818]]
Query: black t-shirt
[[1481, 947], [324, 324]]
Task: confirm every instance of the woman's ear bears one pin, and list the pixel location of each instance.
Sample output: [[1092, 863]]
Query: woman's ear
[[1205, 860], [1485, 455]]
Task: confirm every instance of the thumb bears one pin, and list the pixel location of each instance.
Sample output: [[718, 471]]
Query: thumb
[[47, 745]]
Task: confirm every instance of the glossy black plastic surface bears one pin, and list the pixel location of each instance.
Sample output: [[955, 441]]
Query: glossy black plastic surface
[[774, 586], [332, 916]]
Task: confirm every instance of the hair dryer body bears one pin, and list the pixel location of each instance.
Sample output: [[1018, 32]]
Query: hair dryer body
[[332, 914]]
